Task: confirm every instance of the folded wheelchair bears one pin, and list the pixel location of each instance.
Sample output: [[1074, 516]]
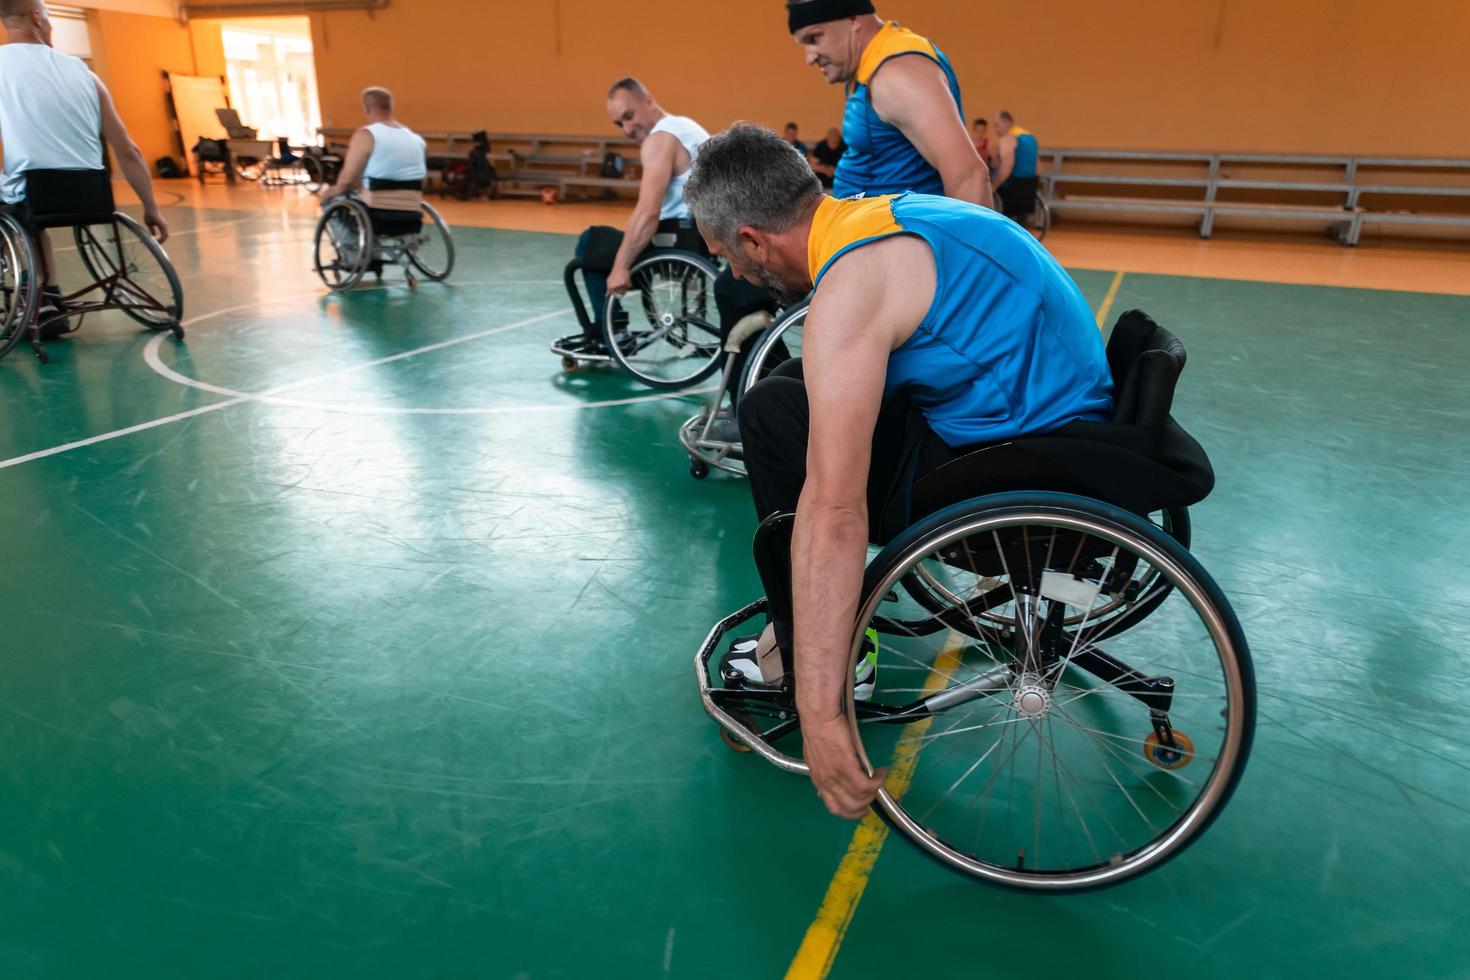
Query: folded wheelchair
[[1064, 698], [389, 223], [129, 269]]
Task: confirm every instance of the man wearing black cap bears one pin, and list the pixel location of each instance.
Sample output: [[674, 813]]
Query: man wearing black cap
[[904, 122]]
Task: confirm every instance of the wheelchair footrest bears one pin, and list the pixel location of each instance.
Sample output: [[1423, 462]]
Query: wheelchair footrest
[[707, 690]]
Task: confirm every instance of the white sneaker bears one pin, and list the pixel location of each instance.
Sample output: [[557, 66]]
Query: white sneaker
[[757, 662]]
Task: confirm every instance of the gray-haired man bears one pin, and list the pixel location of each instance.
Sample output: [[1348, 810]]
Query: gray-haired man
[[937, 325]]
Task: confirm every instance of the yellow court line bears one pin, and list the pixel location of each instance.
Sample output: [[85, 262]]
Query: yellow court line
[[1107, 303], [823, 937]]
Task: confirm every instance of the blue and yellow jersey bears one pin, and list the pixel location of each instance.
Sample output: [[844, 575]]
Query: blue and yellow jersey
[[879, 158], [1026, 153], [1008, 347]]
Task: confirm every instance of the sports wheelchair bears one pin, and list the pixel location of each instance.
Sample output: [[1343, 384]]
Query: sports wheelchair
[[771, 342], [1064, 698], [663, 331], [384, 226], [130, 271]]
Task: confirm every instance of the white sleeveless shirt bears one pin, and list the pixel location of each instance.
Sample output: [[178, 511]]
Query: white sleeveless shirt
[[50, 115], [691, 135], [398, 154]]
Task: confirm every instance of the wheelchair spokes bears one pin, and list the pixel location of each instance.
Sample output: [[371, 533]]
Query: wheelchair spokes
[[343, 245], [1034, 738], [663, 330], [131, 271], [17, 285], [432, 251]]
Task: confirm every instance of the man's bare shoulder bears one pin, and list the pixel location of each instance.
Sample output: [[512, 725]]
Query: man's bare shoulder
[[891, 281]]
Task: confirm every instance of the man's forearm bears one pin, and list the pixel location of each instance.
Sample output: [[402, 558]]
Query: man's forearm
[[135, 169], [827, 554], [639, 233], [972, 184]]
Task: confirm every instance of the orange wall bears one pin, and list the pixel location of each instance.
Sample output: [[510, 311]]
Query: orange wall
[[1360, 76], [130, 54]]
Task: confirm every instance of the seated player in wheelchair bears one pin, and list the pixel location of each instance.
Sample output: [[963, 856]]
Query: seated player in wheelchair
[[52, 108], [936, 325], [381, 180], [668, 146]]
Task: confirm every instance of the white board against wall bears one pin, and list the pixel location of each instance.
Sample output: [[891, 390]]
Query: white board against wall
[[195, 99]]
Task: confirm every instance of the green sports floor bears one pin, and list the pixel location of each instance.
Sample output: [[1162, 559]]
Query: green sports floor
[[353, 638]]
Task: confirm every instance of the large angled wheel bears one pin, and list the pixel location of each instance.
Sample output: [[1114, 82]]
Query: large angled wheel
[[433, 255], [665, 330], [19, 286], [344, 240], [144, 283], [1055, 745], [777, 343]]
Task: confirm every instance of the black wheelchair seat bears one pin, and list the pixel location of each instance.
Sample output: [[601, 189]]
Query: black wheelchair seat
[[65, 198], [1140, 460], [395, 224]]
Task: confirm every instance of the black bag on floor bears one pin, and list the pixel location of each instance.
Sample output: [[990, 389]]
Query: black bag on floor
[[167, 168]]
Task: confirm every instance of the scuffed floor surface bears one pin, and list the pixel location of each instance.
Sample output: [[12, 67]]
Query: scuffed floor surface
[[378, 664]]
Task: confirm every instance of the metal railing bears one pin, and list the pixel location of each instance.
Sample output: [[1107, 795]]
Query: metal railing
[[1345, 216]]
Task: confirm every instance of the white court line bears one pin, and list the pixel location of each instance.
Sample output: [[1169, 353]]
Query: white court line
[[241, 398]]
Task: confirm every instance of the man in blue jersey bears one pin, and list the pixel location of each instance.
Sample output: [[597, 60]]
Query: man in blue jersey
[[936, 325], [904, 121], [1016, 177], [904, 124]]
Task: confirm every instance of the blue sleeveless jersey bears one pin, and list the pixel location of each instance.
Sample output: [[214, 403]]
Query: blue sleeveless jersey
[[1026, 154], [879, 158], [1009, 346]]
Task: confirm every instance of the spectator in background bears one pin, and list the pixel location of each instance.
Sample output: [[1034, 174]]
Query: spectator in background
[[825, 156], [1016, 179], [980, 135], [791, 138]]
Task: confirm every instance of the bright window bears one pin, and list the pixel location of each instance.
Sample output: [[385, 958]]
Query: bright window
[[272, 79]]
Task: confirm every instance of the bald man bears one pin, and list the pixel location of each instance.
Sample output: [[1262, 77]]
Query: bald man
[[667, 147], [383, 150]]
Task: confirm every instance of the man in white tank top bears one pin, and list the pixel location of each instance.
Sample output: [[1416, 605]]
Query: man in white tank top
[[51, 110], [382, 150], [668, 146]]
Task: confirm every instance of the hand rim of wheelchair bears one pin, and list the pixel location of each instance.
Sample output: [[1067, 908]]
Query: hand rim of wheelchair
[[681, 321], [347, 275], [437, 224], [791, 318], [17, 260], [152, 314], [1186, 577], [707, 452]]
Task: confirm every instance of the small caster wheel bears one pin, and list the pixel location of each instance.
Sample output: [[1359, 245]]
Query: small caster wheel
[[42, 356], [178, 331], [699, 469], [569, 363], [1175, 756], [732, 743]]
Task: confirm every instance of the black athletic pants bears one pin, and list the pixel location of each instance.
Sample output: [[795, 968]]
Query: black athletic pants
[[1018, 199], [774, 424]]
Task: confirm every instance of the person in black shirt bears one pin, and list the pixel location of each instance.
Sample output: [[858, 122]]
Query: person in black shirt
[[825, 156]]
